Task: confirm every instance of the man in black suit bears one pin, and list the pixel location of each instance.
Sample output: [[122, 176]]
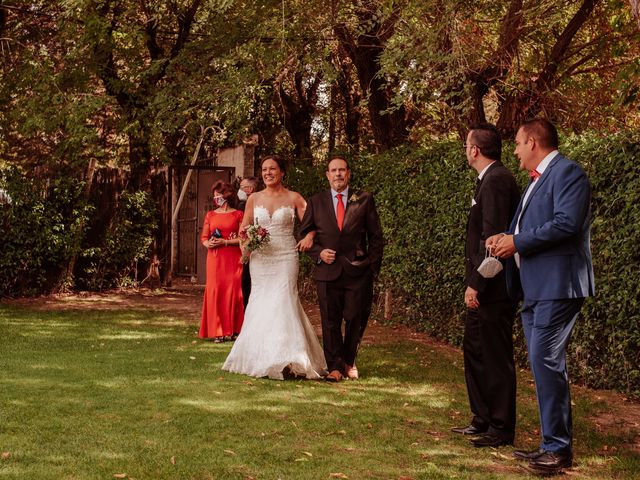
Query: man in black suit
[[347, 251], [488, 343], [248, 186]]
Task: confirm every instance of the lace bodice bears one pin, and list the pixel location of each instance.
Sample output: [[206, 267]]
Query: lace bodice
[[279, 223]]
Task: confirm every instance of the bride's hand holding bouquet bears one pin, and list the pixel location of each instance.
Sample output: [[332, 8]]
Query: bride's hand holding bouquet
[[252, 237]]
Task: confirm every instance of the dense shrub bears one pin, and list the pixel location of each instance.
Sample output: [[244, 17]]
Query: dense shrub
[[47, 243], [423, 195], [606, 342], [39, 230], [113, 260]]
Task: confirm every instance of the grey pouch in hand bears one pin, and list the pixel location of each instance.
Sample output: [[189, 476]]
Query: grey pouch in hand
[[490, 266]]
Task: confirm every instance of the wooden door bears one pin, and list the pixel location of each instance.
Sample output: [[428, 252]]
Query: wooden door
[[191, 255]]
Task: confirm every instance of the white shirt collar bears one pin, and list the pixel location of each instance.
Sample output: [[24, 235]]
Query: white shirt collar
[[344, 193], [542, 166], [484, 170]]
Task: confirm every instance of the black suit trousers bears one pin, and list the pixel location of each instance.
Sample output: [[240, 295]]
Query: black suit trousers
[[246, 284], [489, 367], [349, 299]]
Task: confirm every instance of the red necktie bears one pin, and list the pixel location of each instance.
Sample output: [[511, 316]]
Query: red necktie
[[534, 174], [340, 211]]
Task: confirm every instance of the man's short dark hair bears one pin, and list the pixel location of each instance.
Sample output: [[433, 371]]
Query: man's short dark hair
[[337, 158], [486, 137], [542, 130], [253, 180]]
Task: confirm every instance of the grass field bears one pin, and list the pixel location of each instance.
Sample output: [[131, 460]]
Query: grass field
[[102, 394]]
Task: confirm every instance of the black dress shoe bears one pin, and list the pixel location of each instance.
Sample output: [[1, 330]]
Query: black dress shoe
[[528, 454], [491, 440], [469, 430], [551, 462]]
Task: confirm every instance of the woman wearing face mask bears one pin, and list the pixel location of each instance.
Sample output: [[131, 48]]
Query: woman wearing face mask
[[222, 309]]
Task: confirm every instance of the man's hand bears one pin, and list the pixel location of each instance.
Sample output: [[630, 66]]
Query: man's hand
[[493, 240], [328, 256], [471, 298], [505, 247]]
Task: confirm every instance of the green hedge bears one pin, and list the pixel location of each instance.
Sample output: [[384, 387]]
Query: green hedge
[[423, 196], [39, 229], [48, 241]]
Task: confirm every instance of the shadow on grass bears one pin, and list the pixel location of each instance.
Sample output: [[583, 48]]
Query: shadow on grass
[[113, 392]]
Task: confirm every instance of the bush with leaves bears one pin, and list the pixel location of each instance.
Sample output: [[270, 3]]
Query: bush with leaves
[[423, 197], [113, 261], [39, 230]]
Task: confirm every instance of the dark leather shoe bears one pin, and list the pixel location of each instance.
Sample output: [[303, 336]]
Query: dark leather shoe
[[491, 440], [469, 430], [551, 462], [528, 454]]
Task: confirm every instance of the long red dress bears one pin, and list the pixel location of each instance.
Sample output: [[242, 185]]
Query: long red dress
[[222, 309]]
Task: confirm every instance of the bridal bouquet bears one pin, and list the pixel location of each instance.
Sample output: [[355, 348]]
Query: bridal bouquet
[[253, 238]]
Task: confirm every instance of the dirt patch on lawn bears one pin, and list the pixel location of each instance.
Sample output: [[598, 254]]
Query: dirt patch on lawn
[[620, 416]]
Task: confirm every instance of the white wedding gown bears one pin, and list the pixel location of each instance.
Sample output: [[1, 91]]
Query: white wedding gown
[[276, 332]]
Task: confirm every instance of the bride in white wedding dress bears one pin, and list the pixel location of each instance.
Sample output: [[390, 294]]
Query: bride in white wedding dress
[[276, 335]]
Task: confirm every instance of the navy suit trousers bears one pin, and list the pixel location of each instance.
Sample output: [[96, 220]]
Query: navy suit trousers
[[547, 326]]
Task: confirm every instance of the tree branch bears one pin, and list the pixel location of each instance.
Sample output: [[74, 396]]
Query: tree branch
[[547, 76]]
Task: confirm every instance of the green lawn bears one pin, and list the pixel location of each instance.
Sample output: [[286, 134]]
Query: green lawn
[[133, 394]]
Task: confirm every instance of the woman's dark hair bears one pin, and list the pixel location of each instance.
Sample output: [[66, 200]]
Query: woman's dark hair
[[278, 159], [487, 138], [226, 190]]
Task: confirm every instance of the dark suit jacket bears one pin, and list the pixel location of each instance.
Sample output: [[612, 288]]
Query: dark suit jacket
[[554, 239], [496, 200], [358, 245]]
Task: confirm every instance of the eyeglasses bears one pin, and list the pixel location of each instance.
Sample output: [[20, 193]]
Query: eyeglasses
[[465, 145]]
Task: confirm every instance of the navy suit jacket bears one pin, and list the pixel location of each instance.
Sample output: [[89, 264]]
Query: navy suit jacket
[[554, 237]]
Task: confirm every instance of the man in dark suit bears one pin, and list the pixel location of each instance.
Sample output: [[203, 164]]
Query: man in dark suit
[[248, 187], [549, 239], [488, 338], [347, 252]]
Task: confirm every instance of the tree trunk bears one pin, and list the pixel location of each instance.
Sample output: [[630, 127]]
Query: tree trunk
[[517, 107], [635, 8], [296, 109], [389, 123]]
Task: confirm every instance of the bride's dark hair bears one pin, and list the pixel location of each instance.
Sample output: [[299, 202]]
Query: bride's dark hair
[[278, 159]]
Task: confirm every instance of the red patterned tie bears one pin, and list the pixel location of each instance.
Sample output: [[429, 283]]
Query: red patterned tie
[[340, 211], [534, 174]]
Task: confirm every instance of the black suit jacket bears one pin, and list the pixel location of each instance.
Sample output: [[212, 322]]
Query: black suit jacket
[[495, 202], [358, 245]]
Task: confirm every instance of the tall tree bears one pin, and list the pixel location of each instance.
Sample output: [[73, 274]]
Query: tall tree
[[635, 8], [363, 29]]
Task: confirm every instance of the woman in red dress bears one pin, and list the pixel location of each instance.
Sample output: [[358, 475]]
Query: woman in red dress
[[222, 309]]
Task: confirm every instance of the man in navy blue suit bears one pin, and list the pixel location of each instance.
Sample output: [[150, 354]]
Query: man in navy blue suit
[[549, 241]]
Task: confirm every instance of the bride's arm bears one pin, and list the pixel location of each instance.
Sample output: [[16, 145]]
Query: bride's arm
[[247, 219], [307, 242]]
